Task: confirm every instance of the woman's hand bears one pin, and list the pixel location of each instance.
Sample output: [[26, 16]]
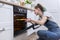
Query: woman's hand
[[28, 20]]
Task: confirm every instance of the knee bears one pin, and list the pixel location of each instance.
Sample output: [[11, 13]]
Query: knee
[[52, 36], [41, 32], [38, 32]]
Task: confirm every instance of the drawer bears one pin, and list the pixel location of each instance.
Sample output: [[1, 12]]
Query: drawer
[[6, 35], [6, 17]]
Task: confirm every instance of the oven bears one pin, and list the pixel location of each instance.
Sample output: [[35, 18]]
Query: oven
[[19, 23]]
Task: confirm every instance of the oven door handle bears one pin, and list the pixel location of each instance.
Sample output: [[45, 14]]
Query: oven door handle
[[32, 26]]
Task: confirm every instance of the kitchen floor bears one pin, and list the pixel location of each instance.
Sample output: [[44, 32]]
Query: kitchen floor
[[25, 37]]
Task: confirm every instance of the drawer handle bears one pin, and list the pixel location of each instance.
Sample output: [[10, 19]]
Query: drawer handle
[[1, 4], [2, 29]]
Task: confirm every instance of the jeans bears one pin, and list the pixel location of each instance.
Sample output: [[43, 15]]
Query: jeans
[[53, 32]]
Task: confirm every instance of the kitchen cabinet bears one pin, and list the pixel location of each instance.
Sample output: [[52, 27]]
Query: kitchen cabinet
[[6, 35], [6, 22]]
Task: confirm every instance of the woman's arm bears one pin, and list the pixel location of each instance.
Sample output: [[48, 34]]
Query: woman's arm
[[40, 22]]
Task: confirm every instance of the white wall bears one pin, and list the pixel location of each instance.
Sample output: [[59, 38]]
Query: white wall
[[51, 5]]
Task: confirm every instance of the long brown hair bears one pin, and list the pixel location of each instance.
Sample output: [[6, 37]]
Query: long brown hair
[[40, 7]]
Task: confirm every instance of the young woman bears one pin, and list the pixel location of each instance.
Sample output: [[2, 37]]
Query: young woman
[[53, 32]]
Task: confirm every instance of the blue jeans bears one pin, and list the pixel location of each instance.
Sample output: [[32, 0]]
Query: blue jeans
[[53, 32]]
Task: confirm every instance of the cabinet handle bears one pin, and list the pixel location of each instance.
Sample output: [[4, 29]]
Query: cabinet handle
[[2, 29], [1, 4]]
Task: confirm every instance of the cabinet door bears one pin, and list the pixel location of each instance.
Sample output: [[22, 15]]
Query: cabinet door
[[6, 18], [6, 23], [6, 35]]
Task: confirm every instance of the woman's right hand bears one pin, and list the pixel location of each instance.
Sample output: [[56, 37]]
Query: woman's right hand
[[28, 20]]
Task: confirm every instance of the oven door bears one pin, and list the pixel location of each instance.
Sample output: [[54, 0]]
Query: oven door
[[19, 23]]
